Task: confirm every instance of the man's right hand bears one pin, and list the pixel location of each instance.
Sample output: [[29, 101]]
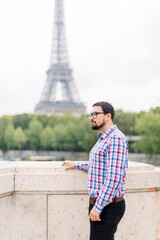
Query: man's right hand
[[69, 164]]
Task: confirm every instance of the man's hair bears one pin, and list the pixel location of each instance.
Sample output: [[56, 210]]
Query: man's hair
[[106, 107]]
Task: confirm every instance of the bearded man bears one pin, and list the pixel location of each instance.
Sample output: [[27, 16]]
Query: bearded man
[[107, 168]]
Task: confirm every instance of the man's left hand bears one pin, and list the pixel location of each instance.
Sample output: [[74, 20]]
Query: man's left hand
[[94, 216]]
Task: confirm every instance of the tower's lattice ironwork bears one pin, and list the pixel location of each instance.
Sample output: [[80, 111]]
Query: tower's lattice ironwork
[[59, 93]]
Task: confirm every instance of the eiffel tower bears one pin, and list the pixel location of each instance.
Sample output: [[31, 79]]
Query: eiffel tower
[[59, 94]]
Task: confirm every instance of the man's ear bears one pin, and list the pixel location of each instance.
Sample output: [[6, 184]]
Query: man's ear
[[108, 116]]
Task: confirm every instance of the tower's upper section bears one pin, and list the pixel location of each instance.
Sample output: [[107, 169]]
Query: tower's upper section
[[59, 54]]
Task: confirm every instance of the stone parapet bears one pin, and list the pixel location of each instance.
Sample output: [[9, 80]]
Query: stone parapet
[[43, 201]]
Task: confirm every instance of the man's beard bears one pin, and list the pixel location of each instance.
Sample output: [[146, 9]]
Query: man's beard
[[97, 127]]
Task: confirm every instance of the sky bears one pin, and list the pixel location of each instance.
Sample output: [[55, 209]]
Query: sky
[[113, 46]]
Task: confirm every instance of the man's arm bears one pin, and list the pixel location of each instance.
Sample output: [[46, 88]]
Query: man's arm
[[84, 165]]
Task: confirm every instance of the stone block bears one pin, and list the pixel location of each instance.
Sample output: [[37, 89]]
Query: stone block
[[73, 181], [139, 221], [6, 183], [142, 180], [68, 217], [29, 220], [6, 218]]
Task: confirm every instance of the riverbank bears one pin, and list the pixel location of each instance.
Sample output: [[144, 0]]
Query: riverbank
[[73, 156]]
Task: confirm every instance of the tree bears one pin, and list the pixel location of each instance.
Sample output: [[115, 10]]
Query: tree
[[74, 135], [59, 137], [19, 138], [53, 120], [126, 121], [85, 135], [22, 120], [43, 119], [9, 136], [4, 122], [148, 126], [155, 110], [47, 137], [33, 134], [70, 135]]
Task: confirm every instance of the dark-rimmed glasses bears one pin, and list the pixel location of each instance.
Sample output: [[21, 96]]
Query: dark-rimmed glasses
[[94, 114]]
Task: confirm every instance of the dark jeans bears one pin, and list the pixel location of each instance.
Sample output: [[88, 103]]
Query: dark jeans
[[110, 217]]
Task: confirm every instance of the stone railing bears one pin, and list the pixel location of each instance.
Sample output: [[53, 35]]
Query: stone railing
[[42, 201]]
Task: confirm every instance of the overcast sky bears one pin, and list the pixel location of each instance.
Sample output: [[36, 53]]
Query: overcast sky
[[114, 50]]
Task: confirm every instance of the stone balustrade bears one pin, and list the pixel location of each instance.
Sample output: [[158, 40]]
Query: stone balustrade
[[42, 201]]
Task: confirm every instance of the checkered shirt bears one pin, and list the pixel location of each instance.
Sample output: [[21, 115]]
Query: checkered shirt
[[107, 167]]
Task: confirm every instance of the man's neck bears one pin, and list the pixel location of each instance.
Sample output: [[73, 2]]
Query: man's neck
[[106, 127]]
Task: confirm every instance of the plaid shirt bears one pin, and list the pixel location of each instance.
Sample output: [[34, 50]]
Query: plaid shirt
[[107, 167]]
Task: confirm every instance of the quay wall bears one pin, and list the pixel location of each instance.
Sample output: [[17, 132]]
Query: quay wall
[[74, 156], [43, 201]]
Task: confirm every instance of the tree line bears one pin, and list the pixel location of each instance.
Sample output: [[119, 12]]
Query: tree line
[[71, 133]]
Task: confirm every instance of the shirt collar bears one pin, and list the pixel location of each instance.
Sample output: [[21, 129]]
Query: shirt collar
[[107, 133]]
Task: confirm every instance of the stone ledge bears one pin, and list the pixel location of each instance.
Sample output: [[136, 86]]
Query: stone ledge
[[40, 200], [52, 177], [48, 166]]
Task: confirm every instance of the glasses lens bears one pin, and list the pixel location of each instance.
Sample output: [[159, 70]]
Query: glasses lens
[[93, 115]]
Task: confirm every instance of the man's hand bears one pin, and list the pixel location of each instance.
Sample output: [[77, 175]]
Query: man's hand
[[94, 216], [69, 164]]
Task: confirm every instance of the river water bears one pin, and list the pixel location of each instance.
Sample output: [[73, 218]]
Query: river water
[[154, 160]]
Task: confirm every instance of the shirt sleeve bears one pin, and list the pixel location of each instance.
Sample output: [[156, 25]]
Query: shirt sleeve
[[116, 157], [83, 165]]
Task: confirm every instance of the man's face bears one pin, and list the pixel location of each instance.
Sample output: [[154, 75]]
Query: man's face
[[97, 120]]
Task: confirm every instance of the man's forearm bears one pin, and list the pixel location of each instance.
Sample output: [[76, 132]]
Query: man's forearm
[[82, 165]]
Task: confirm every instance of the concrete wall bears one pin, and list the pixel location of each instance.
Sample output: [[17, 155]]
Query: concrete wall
[[42, 201]]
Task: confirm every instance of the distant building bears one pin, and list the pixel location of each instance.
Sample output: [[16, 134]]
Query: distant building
[[59, 93]]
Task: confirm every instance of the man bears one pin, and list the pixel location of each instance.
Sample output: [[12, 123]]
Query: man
[[106, 173]]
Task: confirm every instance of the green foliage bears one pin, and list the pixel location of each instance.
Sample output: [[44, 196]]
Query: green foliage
[[148, 126], [86, 136], [46, 137], [156, 110], [59, 137], [43, 119], [53, 120], [70, 136], [19, 138], [33, 134], [71, 133], [4, 122], [22, 120], [9, 136], [125, 121]]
